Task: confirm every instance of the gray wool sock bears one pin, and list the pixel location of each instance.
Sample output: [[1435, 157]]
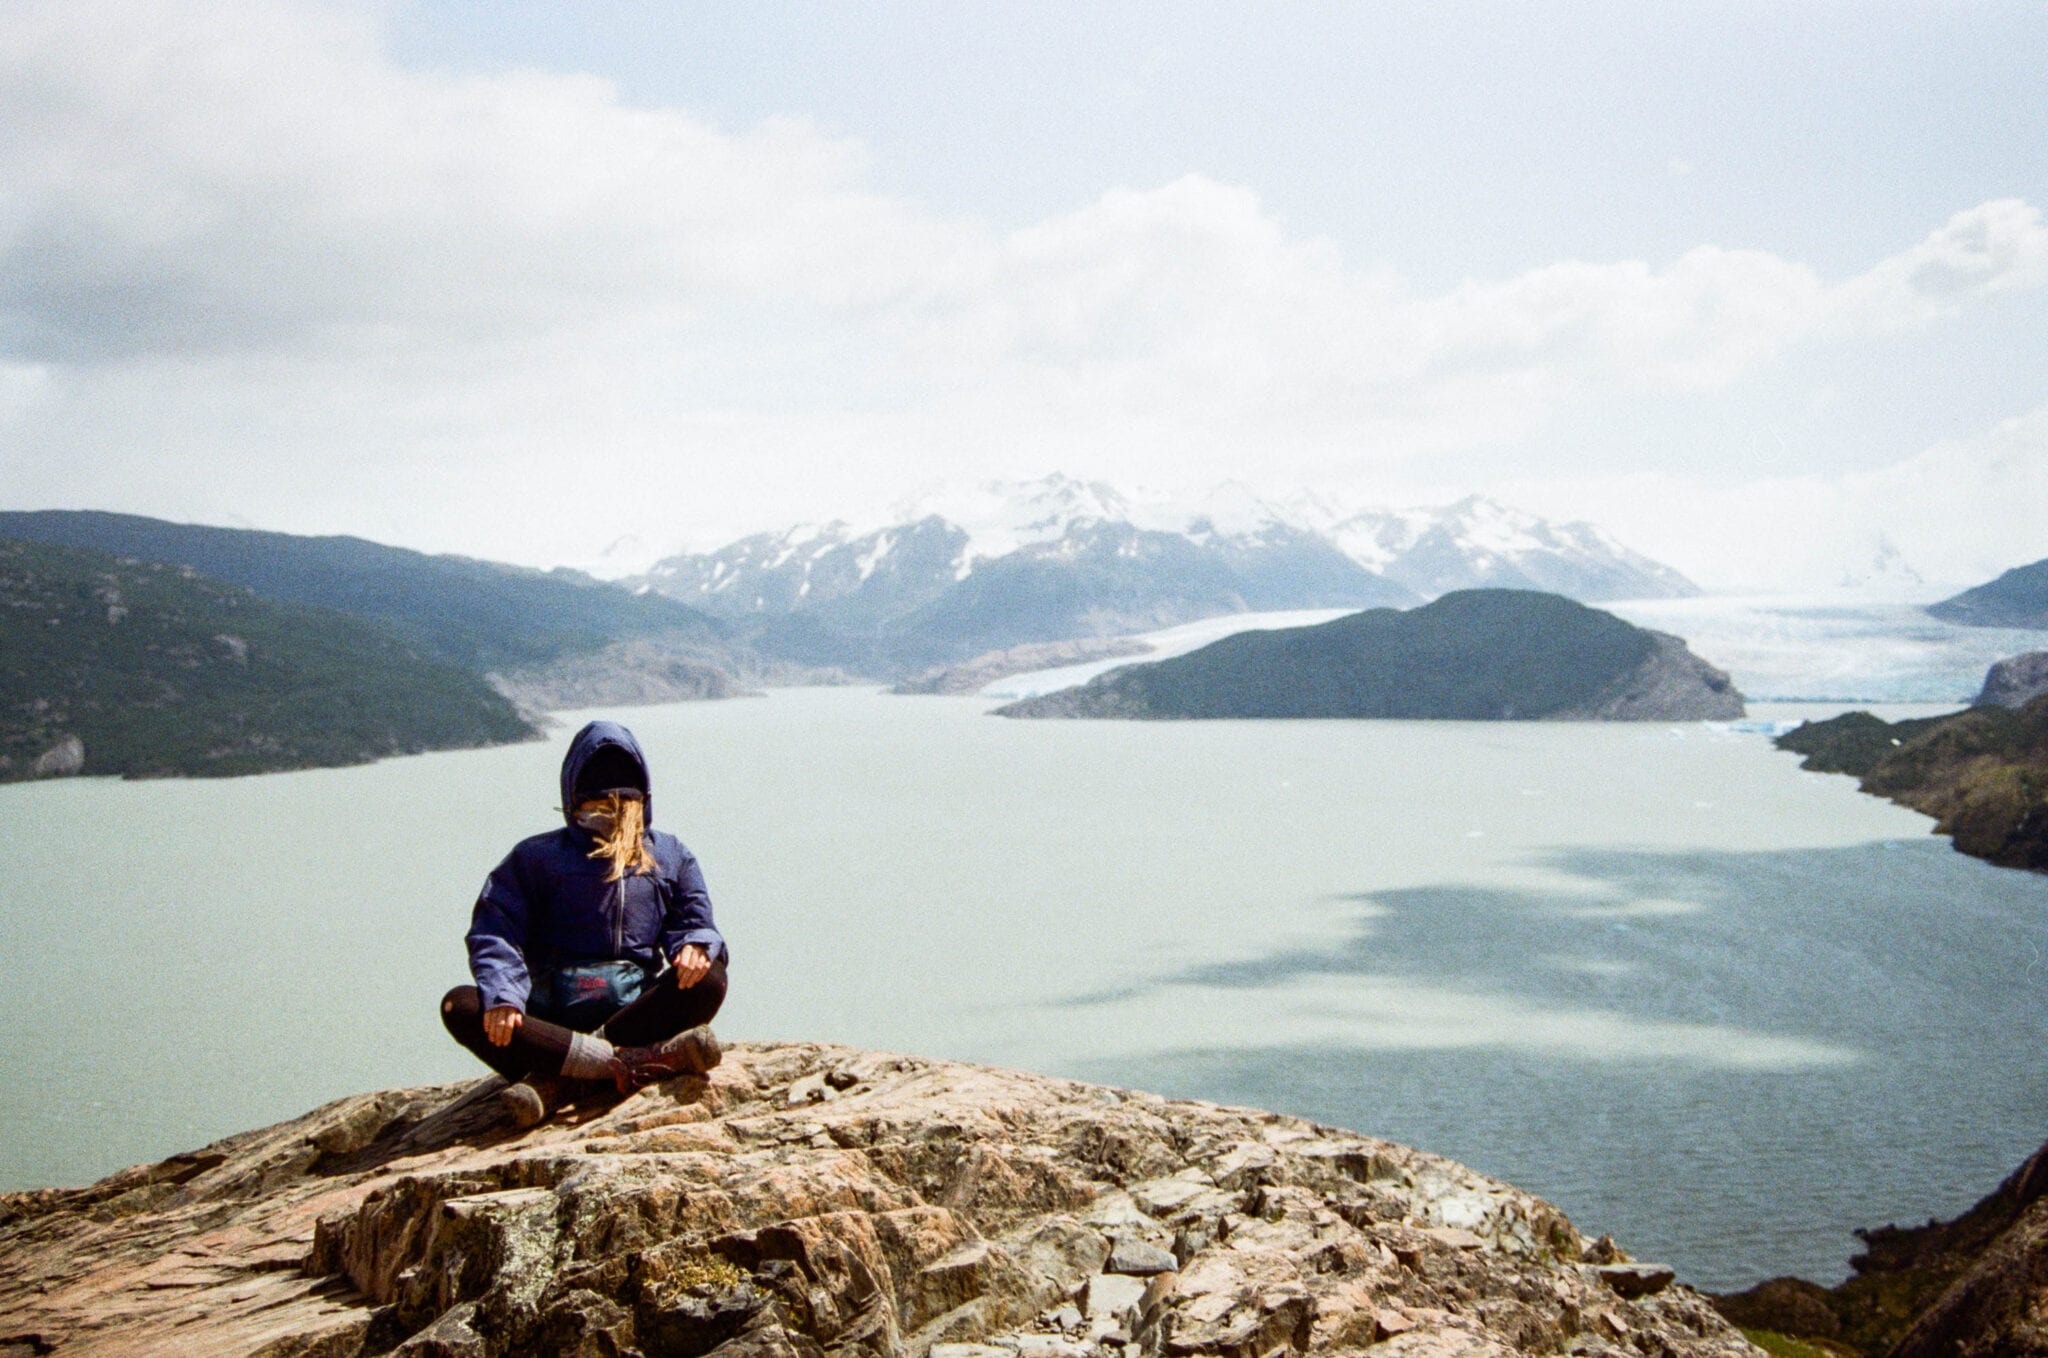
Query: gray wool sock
[[589, 1058]]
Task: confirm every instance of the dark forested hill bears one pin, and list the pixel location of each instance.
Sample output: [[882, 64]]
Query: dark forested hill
[[2019, 598], [1477, 655], [477, 614], [142, 669]]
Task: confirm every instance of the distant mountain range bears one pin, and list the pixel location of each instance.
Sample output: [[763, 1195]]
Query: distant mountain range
[[119, 666], [957, 573], [1472, 655], [2018, 598]]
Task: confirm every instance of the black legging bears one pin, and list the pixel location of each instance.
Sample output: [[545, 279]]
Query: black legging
[[538, 1046]]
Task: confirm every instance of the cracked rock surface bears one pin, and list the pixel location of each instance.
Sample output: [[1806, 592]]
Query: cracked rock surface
[[813, 1201]]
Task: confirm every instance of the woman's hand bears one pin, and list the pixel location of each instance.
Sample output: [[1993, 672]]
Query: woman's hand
[[500, 1023], [691, 963]]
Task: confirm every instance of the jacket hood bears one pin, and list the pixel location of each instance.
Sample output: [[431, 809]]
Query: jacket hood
[[585, 746]]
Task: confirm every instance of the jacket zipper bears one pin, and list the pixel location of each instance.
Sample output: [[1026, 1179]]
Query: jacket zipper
[[619, 921]]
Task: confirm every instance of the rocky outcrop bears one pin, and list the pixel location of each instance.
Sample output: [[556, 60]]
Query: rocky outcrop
[[976, 674], [64, 759], [623, 674], [1977, 1285], [1670, 684], [2015, 681], [820, 1202]]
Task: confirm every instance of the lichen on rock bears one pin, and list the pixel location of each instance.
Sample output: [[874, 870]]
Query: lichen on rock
[[913, 1209]]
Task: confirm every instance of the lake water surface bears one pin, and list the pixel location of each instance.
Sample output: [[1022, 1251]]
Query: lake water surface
[[1721, 1008]]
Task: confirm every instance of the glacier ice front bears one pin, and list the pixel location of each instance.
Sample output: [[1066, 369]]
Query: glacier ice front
[[1831, 649]]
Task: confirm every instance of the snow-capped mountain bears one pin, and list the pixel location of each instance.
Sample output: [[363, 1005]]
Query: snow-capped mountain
[[999, 517], [1477, 543], [1003, 563], [877, 574]]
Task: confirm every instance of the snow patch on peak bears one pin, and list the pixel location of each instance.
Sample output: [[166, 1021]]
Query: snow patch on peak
[[1483, 525], [1312, 511], [873, 556], [1001, 516], [1377, 538]]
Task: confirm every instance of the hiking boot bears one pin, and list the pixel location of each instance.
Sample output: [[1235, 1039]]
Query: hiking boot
[[690, 1052], [531, 1100]]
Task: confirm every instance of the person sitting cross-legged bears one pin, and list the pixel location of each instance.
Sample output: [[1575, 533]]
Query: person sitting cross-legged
[[593, 947]]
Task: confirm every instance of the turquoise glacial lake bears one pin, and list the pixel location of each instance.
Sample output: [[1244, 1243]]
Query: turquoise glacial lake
[[1719, 1007]]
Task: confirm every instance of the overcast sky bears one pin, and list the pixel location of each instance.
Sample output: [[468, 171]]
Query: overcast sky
[[1761, 288]]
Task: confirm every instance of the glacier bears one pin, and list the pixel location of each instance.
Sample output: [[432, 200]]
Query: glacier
[[1777, 648]]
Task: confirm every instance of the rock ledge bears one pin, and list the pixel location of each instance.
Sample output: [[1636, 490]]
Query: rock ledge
[[808, 1201]]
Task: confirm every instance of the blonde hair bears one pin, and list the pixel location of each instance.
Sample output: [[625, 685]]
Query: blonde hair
[[626, 845]]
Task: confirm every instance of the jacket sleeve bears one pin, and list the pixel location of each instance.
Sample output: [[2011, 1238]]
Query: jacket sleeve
[[497, 938], [687, 916]]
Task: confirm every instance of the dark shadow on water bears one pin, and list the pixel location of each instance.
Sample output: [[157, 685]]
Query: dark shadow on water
[[1932, 968]]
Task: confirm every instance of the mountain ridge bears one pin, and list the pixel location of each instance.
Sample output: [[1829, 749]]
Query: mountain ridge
[[1372, 556], [958, 572], [2017, 598], [479, 615]]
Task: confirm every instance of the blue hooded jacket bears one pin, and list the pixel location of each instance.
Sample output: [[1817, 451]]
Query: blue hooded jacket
[[548, 901]]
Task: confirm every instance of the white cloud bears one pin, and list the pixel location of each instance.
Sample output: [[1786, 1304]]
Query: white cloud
[[2000, 246], [254, 176], [250, 267], [1952, 515]]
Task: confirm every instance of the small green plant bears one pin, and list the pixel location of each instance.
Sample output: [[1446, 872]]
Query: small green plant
[[1786, 1346], [708, 1271]]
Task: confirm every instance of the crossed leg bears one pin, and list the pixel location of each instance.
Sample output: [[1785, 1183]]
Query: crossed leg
[[539, 1047]]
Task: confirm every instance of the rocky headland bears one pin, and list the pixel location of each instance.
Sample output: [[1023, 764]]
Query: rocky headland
[[2015, 681], [1976, 1285], [973, 675], [810, 1201], [1474, 655], [1981, 773]]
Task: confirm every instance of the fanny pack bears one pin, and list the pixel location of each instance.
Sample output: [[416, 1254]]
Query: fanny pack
[[581, 995]]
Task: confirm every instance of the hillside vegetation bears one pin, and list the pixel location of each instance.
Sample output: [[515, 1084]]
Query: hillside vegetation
[[1968, 1285], [1981, 773], [1475, 655], [141, 669], [479, 615]]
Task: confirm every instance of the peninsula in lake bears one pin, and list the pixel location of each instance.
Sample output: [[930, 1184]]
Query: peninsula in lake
[[1982, 773], [1472, 655]]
